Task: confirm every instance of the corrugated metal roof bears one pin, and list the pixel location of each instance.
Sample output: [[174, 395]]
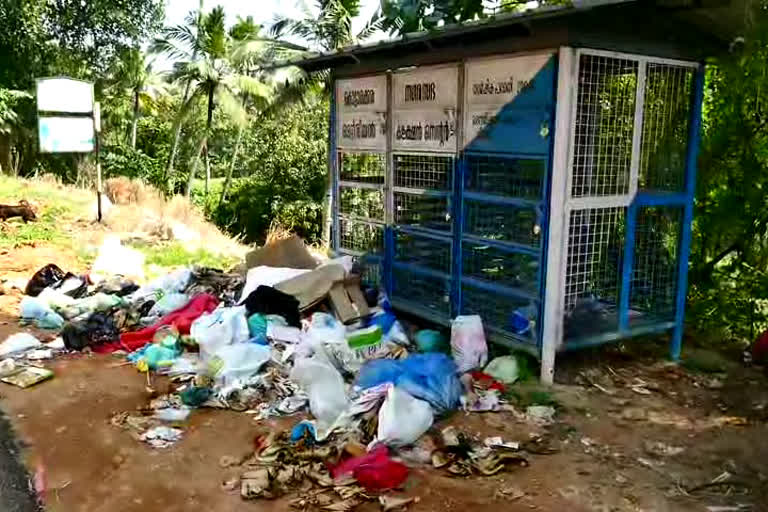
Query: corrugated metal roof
[[729, 12]]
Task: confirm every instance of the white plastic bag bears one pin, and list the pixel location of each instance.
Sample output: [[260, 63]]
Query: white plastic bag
[[402, 418], [468, 343], [325, 387], [114, 259], [17, 343], [240, 361], [174, 282], [218, 329]]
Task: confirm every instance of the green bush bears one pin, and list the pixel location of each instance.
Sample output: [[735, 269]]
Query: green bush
[[122, 160], [280, 176]]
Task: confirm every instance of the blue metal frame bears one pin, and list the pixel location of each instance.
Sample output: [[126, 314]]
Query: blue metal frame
[[694, 139], [333, 156]]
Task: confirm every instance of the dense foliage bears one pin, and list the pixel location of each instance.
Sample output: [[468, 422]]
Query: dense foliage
[[223, 113]]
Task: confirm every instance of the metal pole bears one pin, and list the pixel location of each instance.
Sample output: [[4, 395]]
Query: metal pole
[[97, 136]]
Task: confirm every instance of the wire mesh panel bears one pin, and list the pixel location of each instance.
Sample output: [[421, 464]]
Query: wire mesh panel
[[423, 291], [361, 203], [494, 265], [432, 253], [666, 119], [503, 176], [423, 171], [604, 126], [593, 270], [423, 210], [503, 314], [653, 288], [361, 237], [362, 167], [501, 222]]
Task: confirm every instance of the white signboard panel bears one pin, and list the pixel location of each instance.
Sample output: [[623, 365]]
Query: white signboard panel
[[424, 130], [66, 134], [361, 106], [426, 88], [493, 83], [368, 94], [363, 130], [425, 109], [64, 95]]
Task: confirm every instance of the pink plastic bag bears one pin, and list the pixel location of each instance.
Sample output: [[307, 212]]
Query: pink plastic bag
[[468, 345]]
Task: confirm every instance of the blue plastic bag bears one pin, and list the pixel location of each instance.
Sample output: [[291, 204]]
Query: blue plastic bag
[[429, 377]]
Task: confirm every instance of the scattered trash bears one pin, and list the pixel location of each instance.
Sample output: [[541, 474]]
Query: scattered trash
[[428, 340], [39, 355], [172, 414], [43, 278], [505, 369], [470, 350], [498, 442], [161, 437], [402, 418], [375, 471], [660, 449], [541, 415], [394, 503], [18, 342], [7, 366], [27, 376]]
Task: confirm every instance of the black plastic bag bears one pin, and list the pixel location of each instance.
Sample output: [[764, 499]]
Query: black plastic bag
[[43, 278]]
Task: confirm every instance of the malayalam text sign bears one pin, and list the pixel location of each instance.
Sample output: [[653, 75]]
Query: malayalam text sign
[[425, 113], [361, 105]]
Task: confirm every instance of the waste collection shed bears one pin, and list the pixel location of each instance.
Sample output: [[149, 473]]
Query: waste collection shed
[[535, 169]]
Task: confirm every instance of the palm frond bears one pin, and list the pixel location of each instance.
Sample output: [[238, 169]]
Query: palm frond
[[232, 106]]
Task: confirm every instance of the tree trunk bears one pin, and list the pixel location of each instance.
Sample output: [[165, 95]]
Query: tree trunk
[[231, 169], [135, 120], [193, 171], [207, 171], [176, 138], [208, 125], [203, 143]]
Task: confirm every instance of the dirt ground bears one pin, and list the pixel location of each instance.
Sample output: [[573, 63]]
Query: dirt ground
[[632, 433]]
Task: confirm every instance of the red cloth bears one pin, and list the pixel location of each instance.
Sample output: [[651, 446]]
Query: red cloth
[[181, 318], [375, 470], [486, 381], [760, 349]]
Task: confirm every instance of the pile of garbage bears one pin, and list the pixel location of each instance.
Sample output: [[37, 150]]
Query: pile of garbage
[[307, 340]]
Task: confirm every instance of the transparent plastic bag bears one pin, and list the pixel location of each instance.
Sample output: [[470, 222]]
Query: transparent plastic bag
[[325, 387], [468, 345]]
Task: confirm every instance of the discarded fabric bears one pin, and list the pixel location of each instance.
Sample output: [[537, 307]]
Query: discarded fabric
[[269, 301], [181, 318], [43, 278]]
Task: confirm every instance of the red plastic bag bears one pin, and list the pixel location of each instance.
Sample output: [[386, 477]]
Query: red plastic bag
[[375, 470]]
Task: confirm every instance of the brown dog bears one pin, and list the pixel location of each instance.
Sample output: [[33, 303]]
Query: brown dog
[[22, 210]]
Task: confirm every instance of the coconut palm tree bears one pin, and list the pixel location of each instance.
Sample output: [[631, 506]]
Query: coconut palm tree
[[180, 42], [133, 74], [216, 81], [253, 56], [326, 27]]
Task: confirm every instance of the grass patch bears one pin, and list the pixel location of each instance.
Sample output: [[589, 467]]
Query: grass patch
[[45, 229], [527, 398], [174, 254]]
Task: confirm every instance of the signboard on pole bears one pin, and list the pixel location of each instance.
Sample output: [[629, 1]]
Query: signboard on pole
[[65, 115], [63, 94], [66, 134], [425, 109], [361, 105]]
